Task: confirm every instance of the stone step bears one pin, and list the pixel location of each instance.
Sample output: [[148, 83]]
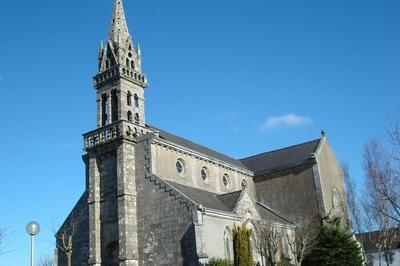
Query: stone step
[[171, 192]]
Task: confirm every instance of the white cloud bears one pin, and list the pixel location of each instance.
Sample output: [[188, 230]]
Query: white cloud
[[289, 120]]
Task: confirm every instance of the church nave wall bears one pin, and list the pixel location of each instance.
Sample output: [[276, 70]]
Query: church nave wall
[[219, 178]]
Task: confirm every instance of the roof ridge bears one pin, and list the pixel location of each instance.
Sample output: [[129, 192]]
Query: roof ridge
[[203, 146], [280, 149], [202, 189], [274, 212], [189, 186], [191, 141]]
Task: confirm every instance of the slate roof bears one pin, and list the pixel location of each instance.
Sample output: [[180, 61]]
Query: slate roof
[[271, 215], [225, 202], [230, 199], [278, 159], [260, 163], [206, 198], [370, 246], [198, 148]]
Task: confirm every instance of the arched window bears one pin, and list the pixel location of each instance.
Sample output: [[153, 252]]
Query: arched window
[[137, 118], [254, 249], [228, 245], [132, 64], [104, 110], [129, 99], [129, 116], [114, 106], [250, 224], [337, 206], [136, 98]]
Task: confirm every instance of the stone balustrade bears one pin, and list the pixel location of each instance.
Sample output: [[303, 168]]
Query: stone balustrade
[[118, 130], [120, 71]]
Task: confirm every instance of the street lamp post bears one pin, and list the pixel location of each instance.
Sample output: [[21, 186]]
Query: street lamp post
[[32, 228]]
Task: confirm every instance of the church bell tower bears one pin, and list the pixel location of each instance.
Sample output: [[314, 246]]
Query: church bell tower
[[110, 159], [120, 82]]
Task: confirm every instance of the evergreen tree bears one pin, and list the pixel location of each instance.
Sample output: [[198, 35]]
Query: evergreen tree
[[336, 246], [241, 246]]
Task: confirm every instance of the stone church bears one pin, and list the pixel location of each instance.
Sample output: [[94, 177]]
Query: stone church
[[153, 198]]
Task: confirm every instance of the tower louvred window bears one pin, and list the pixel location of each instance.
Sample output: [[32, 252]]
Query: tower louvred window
[[137, 118], [136, 101], [129, 99]]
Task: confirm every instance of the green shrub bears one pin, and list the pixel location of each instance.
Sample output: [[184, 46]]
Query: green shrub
[[336, 245], [219, 262], [283, 263], [241, 246]]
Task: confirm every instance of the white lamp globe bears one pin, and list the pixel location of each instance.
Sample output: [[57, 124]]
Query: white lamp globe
[[32, 228]]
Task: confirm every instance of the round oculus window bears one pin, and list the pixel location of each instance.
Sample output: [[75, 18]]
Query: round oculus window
[[204, 174], [180, 167], [226, 181]]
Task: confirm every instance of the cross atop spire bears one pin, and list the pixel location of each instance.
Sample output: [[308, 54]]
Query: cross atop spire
[[119, 28]]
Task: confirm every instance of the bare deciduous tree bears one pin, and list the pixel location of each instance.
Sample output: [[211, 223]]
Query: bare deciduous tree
[[45, 261], [4, 244], [384, 237], [354, 208], [268, 242], [381, 203], [2, 235], [381, 188], [303, 238], [382, 171], [64, 237]]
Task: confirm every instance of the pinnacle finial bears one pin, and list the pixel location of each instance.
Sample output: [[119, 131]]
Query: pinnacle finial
[[119, 27], [323, 133]]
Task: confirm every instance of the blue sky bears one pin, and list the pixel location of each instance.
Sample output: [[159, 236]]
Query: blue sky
[[241, 77]]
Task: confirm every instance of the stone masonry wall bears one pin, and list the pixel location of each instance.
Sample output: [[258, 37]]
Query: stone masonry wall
[[165, 166], [292, 194], [108, 203], [127, 205], [78, 218], [331, 178], [166, 232]]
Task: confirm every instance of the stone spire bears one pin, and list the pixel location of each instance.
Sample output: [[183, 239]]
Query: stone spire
[[119, 48], [118, 29]]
